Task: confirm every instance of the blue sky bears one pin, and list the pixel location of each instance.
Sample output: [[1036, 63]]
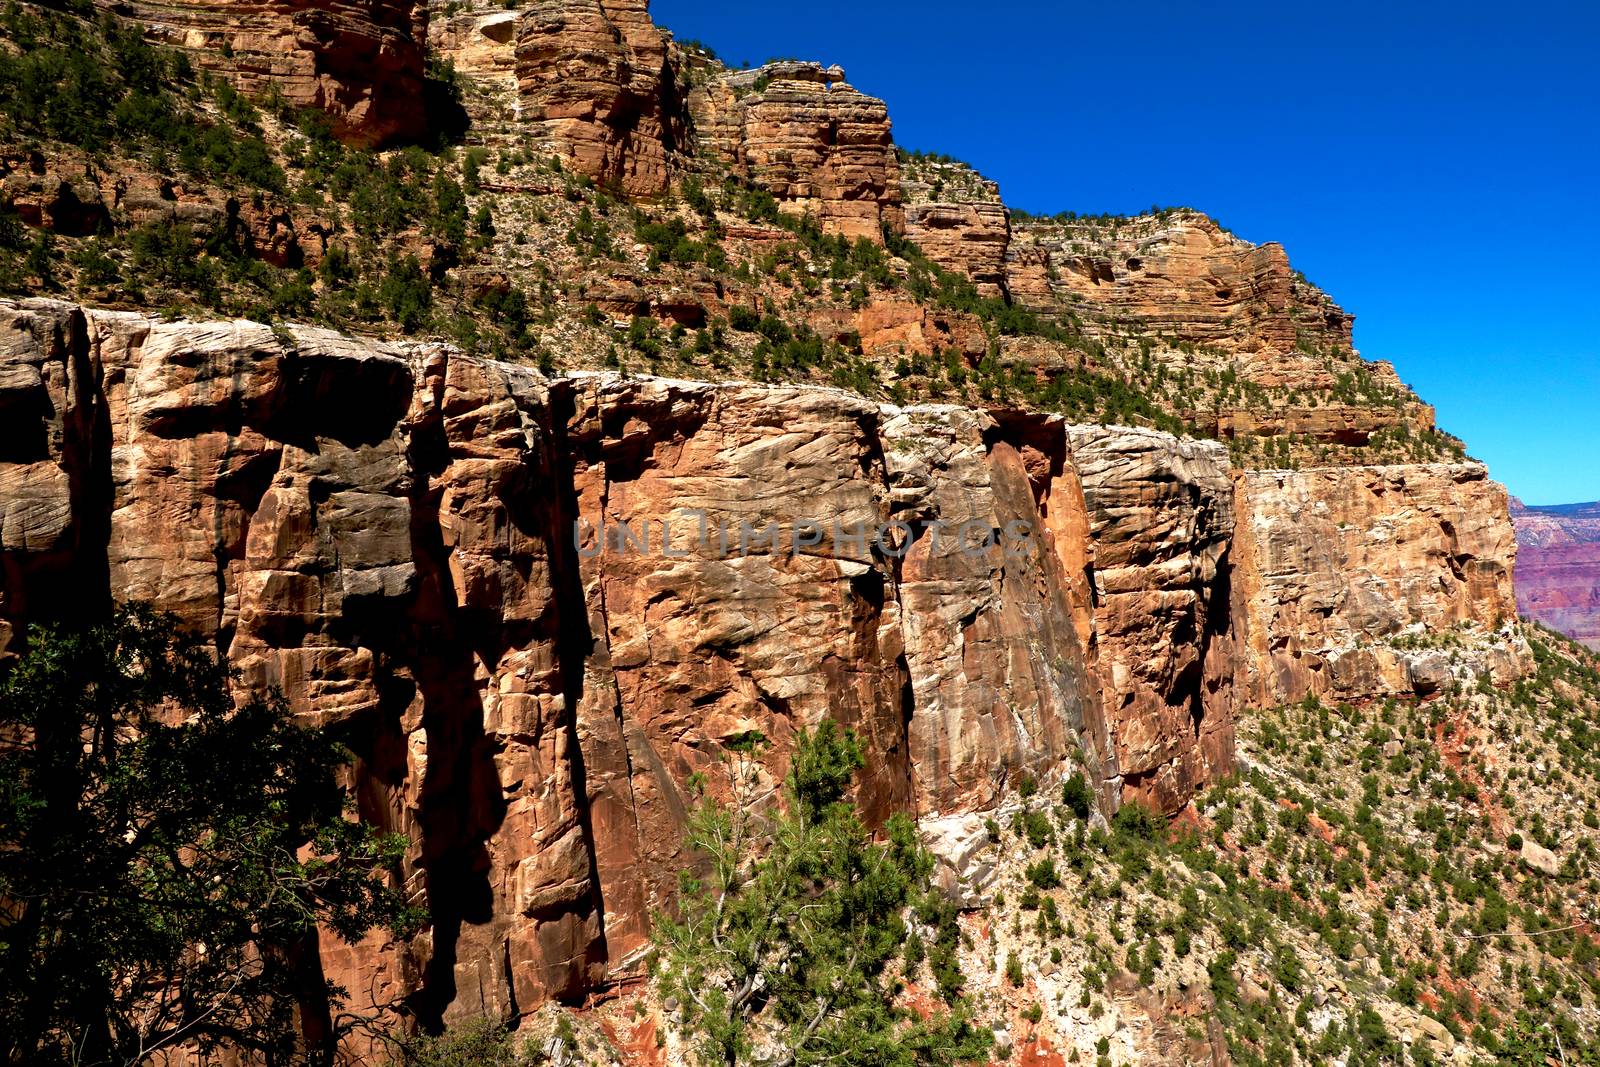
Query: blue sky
[[1434, 166]]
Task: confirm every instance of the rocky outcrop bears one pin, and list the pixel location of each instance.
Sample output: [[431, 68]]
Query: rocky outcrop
[[955, 216], [1178, 274], [597, 80], [366, 527], [1263, 357], [1558, 567], [361, 63], [535, 607], [1161, 522], [808, 137], [1361, 582]]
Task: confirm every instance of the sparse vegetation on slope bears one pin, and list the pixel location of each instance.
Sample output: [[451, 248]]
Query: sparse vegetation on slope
[[1392, 883]]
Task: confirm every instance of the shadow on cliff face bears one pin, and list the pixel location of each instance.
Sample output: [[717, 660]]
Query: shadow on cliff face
[[576, 639], [62, 420], [461, 804]]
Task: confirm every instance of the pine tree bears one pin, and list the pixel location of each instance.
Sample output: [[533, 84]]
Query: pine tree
[[788, 947]]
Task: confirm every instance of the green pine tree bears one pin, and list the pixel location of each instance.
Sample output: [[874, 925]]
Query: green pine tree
[[787, 948]]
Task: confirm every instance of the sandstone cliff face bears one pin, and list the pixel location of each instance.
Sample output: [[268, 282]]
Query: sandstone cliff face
[[597, 80], [955, 216], [366, 527], [808, 137], [361, 63], [1365, 582], [385, 532], [1204, 304], [1181, 275], [1161, 523], [1558, 567]]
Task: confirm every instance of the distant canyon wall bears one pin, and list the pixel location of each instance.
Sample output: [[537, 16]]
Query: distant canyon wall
[[1558, 567]]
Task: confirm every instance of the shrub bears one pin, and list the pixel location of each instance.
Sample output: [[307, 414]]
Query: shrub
[[1014, 969], [1043, 874], [1076, 796], [1138, 821], [405, 294]]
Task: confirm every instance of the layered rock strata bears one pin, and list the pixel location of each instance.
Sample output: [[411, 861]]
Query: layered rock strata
[[956, 217], [805, 135], [599, 82], [1179, 274], [1204, 304], [1360, 582], [535, 607], [361, 63], [1558, 567]]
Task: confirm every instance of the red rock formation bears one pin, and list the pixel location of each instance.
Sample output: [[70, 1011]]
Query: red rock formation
[[1161, 522], [363, 526], [1205, 304], [1349, 576], [1180, 275], [383, 531], [1558, 567], [597, 79], [805, 135], [362, 63], [955, 216]]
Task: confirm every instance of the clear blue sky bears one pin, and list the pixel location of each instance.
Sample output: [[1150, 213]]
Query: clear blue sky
[[1434, 166]]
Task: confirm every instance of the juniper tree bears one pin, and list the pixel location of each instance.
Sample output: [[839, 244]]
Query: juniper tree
[[163, 853], [789, 939]]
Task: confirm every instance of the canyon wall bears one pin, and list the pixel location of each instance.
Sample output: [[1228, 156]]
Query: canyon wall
[[1179, 274], [536, 607], [360, 63], [1161, 523], [600, 86], [956, 217], [1264, 355], [808, 137], [1558, 567], [386, 532], [1362, 582]]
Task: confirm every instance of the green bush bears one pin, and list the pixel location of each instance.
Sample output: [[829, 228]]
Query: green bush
[[1076, 796], [405, 294]]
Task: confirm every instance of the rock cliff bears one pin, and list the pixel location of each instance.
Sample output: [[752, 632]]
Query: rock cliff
[[1265, 358], [1558, 567], [1360, 582], [808, 137], [534, 607], [1161, 524], [361, 63], [598, 81], [956, 216]]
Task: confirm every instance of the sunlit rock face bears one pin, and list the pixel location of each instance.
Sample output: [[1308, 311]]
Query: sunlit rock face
[[599, 86], [1342, 571], [362, 64], [536, 607], [802, 133]]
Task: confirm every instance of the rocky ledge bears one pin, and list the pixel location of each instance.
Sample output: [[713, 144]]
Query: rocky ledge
[[360, 63]]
